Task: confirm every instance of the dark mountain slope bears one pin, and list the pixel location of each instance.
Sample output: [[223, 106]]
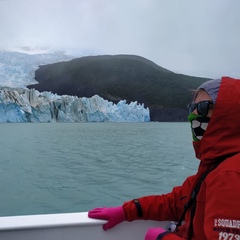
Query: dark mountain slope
[[122, 77]]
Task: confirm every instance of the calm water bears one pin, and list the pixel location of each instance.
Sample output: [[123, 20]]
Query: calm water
[[56, 168]]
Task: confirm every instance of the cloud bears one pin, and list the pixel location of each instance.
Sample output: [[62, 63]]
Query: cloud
[[188, 36]]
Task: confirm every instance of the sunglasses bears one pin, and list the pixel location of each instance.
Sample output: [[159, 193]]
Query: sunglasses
[[202, 107]]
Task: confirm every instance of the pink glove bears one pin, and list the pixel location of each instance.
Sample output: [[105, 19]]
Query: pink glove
[[114, 215], [153, 233]]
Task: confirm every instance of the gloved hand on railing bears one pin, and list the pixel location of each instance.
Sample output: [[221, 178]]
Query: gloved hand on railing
[[114, 215], [153, 233]]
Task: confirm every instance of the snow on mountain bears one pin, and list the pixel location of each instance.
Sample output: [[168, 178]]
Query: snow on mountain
[[30, 105]]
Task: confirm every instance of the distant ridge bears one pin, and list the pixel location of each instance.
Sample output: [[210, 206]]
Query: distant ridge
[[117, 77], [130, 57]]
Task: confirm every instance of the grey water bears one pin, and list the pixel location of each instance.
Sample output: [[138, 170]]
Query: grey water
[[73, 167]]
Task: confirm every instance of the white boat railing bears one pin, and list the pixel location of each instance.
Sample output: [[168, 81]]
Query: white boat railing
[[70, 226]]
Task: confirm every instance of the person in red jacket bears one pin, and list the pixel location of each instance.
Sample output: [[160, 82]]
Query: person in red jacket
[[207, 205]]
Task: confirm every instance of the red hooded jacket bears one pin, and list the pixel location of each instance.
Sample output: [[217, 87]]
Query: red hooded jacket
[[217, 212]]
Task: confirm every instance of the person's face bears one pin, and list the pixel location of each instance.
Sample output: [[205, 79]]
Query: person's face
[[202, 95]]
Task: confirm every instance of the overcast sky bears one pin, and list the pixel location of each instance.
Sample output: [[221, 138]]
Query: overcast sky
[[194, 37]]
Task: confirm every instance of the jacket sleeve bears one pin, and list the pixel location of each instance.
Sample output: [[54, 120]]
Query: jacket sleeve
[[166, 207], [222, 211]]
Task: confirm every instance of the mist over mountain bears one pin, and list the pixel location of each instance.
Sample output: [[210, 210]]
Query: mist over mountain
[[117, 77]]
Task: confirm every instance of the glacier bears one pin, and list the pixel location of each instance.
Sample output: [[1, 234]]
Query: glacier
[[18, 69], [20, 104], [30, 105]]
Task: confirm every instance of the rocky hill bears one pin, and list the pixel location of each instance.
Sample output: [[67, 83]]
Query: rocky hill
[[118, 77]]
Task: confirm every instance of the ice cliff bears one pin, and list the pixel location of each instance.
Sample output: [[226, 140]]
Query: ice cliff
[[30, 105]]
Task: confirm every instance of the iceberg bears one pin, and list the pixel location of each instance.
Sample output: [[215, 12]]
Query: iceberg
[[30, 105]]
